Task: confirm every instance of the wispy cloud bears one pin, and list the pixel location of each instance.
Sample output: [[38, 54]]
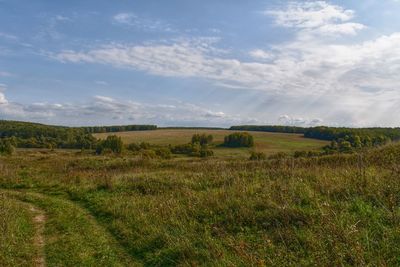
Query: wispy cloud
[[101, 83], [260, 54], [104, 109], [298, 67], [318, 17], [49, 31], [299, 121], [3, 100], [5, 74], [7, 36], [142, 23]]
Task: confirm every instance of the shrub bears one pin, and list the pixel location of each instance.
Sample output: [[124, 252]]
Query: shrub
[[148, 154], [307, 154], [239, 139], [144, 145], [258, 156], [133, 147], [300, 154], [202, 139], [6, 147], [182, 149], [205, 153], [194, 150], [279, 155], [113, 144], [164, 153]]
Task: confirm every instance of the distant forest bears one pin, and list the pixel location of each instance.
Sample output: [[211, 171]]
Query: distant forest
[[35, 135], [342, 139], [118, 128]]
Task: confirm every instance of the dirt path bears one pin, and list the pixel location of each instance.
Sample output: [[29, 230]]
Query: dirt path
[[39, 220], [76, 236]]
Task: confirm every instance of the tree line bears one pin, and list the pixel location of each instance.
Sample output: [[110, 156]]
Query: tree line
[[342, 139], [35, 135], [118, 128], [269, 128]]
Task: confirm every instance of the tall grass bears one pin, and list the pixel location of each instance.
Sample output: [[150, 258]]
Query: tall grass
[[334, 210], [16, 233]]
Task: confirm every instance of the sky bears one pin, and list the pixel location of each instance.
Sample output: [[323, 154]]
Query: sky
[[201, 63]]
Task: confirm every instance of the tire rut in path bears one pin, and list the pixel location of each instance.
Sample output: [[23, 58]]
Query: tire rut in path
[[39, 221]]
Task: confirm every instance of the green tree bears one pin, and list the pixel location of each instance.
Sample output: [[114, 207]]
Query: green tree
[[6, 147], [345, 146], [202, 139], [239, 139], [357, 142], [112, 143]]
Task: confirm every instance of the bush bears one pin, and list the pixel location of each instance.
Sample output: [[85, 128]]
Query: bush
[[194, 150], [202, 139], [239, 139], [133, 147], [258, 156], [279, 155], [6, 147], [112, 144], [308, 154], [148, 154], [164, 153], [205, 153], [182, 149]]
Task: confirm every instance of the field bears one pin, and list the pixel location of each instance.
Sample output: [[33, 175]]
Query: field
[[72, 208], [269, 143]]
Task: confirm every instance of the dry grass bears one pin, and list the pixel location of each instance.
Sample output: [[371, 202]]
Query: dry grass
[[321, 211], [269, 143]]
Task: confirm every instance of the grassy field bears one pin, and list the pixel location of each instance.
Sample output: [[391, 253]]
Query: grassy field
[[339, 210], [16, 233], [269, 143]]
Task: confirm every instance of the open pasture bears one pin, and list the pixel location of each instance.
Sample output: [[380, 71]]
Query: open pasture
[[269, 143]]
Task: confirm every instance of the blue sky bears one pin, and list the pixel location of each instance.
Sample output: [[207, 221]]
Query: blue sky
[[200, 63]]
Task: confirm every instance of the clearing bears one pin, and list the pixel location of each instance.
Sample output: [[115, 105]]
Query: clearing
[[269, 143]]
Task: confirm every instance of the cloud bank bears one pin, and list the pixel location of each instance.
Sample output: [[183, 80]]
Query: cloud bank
[[116, 112]]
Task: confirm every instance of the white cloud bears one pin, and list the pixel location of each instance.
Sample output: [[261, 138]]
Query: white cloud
[[107, 110], [313, 67], [3, 99], [103, 83], [260, 54], [124, 18], [317, 16], [299, 121], [142, 23], [8, 36], [5, 74]]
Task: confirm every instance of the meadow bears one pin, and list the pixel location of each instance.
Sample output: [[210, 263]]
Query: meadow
[[126, 210], [268, 143]]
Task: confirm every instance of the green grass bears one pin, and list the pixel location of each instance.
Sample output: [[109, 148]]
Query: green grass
[[16, 233], [73, 237], [336, 210], [269, 143]]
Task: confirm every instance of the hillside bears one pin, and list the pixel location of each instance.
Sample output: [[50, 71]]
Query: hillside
[[331, 210]]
